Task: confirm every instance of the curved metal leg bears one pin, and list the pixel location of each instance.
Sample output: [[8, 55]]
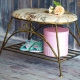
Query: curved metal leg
[[30, 35], [29, 31], [38, 34], [3, 44], [58, 51]]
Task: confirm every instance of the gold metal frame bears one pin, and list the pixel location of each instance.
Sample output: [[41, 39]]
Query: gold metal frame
[[15, 47]]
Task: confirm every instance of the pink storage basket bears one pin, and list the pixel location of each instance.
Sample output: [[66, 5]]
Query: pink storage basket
[[50, 35]]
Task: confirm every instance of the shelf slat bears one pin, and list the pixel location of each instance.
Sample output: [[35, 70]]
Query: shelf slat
[[16, 48]]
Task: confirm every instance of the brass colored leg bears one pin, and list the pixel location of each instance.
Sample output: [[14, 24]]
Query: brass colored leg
[[31, 27], [58, 52], [3, 44]]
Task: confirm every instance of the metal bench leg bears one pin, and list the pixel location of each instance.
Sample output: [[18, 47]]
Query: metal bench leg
[[8, 28], [60, 70]]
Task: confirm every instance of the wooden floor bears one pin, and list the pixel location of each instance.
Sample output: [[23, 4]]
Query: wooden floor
[[15, 66]]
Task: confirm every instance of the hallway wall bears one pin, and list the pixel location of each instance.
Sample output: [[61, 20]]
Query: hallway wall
[[8, 6]]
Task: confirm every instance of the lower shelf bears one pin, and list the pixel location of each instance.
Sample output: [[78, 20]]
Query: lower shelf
[[16, 47]]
